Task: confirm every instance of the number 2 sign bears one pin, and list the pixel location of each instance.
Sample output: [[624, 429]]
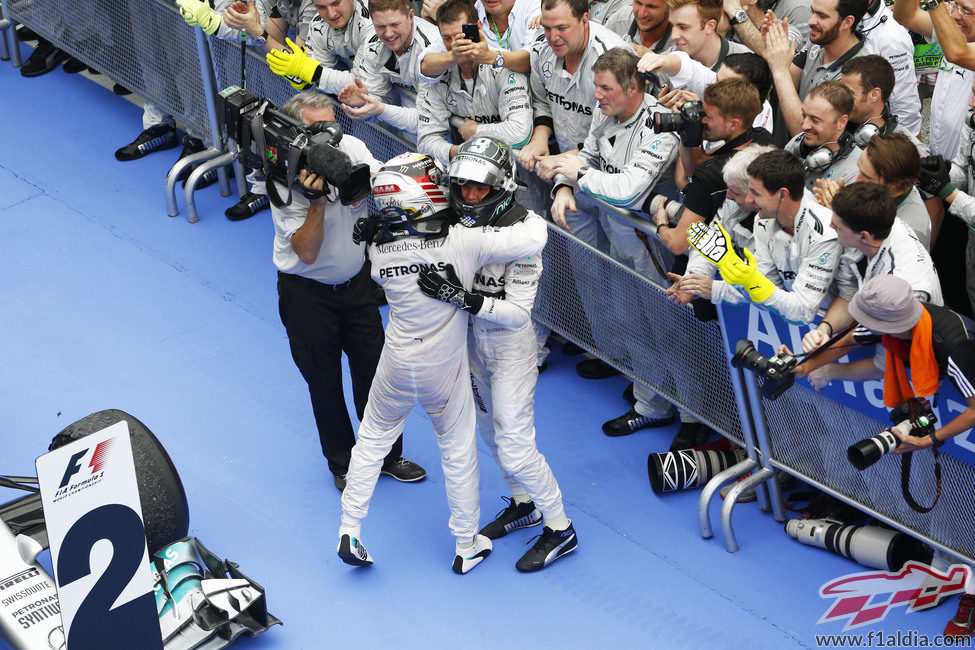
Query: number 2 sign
[[98, 543]]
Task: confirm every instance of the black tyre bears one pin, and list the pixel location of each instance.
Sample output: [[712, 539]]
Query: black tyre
[[164, 507]]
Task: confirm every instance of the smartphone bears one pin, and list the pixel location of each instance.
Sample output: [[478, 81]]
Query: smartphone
[[471, 32]]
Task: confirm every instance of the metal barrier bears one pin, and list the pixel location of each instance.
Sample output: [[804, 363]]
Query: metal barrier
[[602, 305]]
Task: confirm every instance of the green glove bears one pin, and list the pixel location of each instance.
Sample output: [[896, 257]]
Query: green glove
[[198, 12], [295, 65], [716, 246]]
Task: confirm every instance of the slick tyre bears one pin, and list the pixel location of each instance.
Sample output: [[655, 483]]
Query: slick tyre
[[161, 494]]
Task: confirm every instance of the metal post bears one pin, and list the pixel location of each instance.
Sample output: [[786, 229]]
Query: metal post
[[719, 479], [176, 170], [764, 445], [730, 542], [214, 163], [11, 44]]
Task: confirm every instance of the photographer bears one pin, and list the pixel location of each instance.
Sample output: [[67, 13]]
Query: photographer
[[796, 254], [729, 109], [326, 301], [493, 102]]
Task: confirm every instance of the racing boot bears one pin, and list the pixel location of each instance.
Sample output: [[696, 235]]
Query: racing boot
[[551, 545], [631, 422], [404, 471], [513, 517], [247, 207], [468, 558], [352, 551], [963, 624]]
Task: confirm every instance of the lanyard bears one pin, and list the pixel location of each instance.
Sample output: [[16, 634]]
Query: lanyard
[[503, 42]]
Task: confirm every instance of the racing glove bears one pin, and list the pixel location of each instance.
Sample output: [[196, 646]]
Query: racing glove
[[199, 12], [296, 66], [364, 229], [715, 244], [935, 178], [449, 289]]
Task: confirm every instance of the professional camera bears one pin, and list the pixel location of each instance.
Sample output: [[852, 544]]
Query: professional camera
[[282, 147], [687, 123], [776, 370], [872, 546], [912, 418], [688, 468]]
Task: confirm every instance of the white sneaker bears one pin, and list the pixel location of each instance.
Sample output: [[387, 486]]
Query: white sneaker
[[467, 558], [353, 552]]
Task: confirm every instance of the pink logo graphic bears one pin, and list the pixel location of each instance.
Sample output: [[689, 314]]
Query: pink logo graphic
[[864, 598]]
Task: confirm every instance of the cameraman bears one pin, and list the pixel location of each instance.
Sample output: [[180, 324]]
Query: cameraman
[[730, 107], [326, 300]]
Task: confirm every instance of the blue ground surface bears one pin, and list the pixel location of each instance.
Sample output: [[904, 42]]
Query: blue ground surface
[[105, 302]]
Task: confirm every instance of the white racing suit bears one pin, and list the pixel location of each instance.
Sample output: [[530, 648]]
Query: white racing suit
[[802, 266], [963, 206], [424, 362], [334, 47], [499, 104], [380, 68], [503, 375]]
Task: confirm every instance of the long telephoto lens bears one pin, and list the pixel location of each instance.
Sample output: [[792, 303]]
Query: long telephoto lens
[[872, 546], [688, 468], [865, 453]]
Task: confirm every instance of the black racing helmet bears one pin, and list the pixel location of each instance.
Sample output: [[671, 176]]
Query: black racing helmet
[[489, 161]]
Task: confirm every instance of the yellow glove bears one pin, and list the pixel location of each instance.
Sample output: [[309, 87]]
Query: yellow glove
[[716, 246], [295, 64], [198, 12]]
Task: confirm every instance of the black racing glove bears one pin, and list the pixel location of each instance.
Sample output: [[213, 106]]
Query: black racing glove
[[364, 229], [449, 289], [934, 178]]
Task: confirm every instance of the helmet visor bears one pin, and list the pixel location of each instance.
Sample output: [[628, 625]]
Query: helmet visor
[[473, 168]]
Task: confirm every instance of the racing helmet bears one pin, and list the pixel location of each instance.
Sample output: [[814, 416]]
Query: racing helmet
[[489, 161], [411, 196]]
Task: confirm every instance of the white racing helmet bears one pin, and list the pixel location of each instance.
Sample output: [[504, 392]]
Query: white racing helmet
[[488, 161], [411, 195]]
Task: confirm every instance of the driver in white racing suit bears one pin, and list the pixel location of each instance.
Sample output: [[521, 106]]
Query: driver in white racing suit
[[502, 351], [424, 358]]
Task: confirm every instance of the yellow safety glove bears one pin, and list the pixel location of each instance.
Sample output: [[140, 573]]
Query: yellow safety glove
[[295, 65], [199, 12], [715, 244]]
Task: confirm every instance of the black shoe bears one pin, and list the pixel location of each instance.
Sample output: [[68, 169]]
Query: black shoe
[[45, 58], [690, 434], [353, 552], [551, 545], [155, 138], [25, 33], [74, 66], [404, 471], [570, 349], [543, 367], [93, 71], [339, 482], [513, 517], [595, 369], [632, 421], [247, 207], [628, 394], [191, 146], [121, 90]]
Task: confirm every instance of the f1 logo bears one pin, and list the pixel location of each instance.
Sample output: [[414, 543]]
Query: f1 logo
[[74, 466], [97, 461]]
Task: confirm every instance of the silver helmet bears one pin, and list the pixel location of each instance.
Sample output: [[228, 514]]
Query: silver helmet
[[490, 162]]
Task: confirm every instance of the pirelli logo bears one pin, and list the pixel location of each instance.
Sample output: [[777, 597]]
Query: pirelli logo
[[17, 578]]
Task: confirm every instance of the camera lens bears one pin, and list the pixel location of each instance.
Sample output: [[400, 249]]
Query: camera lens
[[667, 122]]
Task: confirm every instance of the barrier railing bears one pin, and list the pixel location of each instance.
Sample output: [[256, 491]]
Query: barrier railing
[[607, 308]]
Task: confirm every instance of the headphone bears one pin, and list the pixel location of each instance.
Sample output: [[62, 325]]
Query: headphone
[[864, 134], [820, 158]]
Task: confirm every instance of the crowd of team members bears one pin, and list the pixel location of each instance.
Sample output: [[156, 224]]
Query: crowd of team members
[[809, 156]]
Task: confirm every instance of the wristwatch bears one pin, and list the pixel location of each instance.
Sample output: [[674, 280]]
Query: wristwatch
[[741, 17], [260, 40], [929, 5], [498, 62]]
